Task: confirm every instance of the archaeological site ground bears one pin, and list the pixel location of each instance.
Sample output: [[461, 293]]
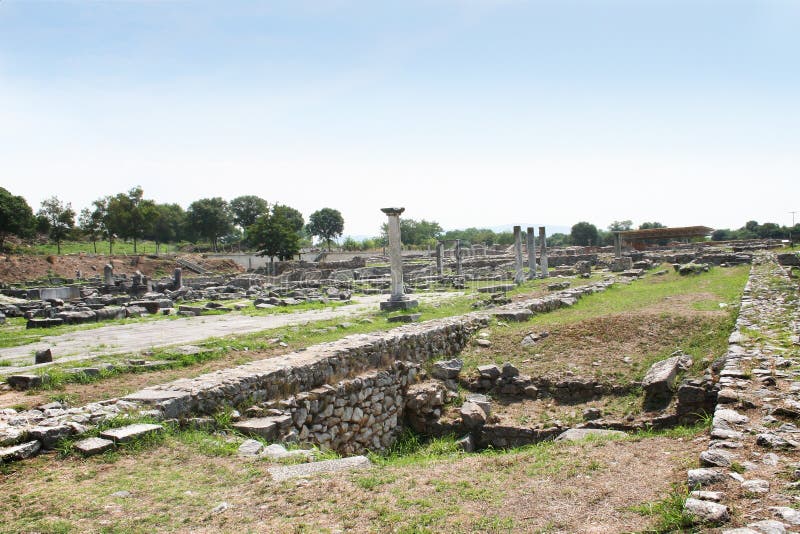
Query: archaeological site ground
[[462, 389]]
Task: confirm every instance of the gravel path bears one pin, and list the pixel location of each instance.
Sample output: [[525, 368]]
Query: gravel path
[[136, 337]]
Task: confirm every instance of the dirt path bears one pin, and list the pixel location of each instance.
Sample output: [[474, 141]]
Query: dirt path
[[135, 337]]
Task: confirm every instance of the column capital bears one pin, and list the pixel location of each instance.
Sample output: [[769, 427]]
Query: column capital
[[393, 211]]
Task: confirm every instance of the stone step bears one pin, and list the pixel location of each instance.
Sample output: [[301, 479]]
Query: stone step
[[128, 433]]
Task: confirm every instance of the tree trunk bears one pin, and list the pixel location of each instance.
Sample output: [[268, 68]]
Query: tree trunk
[[134, 244], [58, 246], [94, 244]]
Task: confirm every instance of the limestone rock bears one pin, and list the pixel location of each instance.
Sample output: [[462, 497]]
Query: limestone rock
[[756, 486], [19, 452], [715, 458], [706, 511], [250, 447], [447, 369], [92, 446], [286, 472], [472, 415], [704, 477], [659, 383]]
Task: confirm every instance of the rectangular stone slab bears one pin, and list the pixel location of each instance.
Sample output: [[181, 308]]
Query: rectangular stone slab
[[92, 446], [286, 472], [265, 427], [127, 433]]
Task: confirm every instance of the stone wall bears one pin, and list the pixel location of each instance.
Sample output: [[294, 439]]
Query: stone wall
[[354, 416], [327, 363]]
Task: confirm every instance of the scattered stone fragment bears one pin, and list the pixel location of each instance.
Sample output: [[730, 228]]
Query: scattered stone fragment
[[714, 496], [768, 526], [19, 452], [704, 476], [122, 494], [286, 472], [43, 356], [447, 369], [221, 507], [706, 511], [466, 444], [276, 451], [264, 427], [756, 486], [473, 415], [131, 432], [773, 441], [24, 381], [790, 515], [250, 447], [659, 382], [92, 446], [715, 458]]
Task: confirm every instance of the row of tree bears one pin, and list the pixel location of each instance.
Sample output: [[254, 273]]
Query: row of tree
[[278, 230]]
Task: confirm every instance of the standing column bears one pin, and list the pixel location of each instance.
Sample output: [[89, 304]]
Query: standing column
[[617, 245], [440, 258], [397, 300], [177, 278], [543, 246], [457, 253], [518, 276], [531, 242], [108, 275]]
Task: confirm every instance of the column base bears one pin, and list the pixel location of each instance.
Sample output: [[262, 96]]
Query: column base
[[402, 303]]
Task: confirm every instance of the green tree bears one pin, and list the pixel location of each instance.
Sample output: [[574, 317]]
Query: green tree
[[16, 217], [417, 233], [326, 224], [167, 224], [246, 209], [60, 219], [583, 234], [90, 222], [274, 235], [293, 216], [650, 225], [209, 218], [620, 226], [129, 215]]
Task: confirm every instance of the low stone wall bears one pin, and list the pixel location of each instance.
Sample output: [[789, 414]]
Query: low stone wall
[[354, 416], [327, 363]]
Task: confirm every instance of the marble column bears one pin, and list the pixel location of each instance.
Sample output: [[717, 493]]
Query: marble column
[[108, 275], [398, 300], [617, 245], [440, 258], [543, 247], [177, 278], [518, 276], [457, 253], [531, 242]]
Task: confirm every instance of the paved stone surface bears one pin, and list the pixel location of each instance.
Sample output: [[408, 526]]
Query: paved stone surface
[[135, 337], [286, 472]]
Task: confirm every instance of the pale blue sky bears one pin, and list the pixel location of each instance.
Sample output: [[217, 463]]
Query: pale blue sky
[[470, 113]]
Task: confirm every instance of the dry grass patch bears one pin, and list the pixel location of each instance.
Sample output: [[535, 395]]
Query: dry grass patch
[[576, 487], [618, 348]]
